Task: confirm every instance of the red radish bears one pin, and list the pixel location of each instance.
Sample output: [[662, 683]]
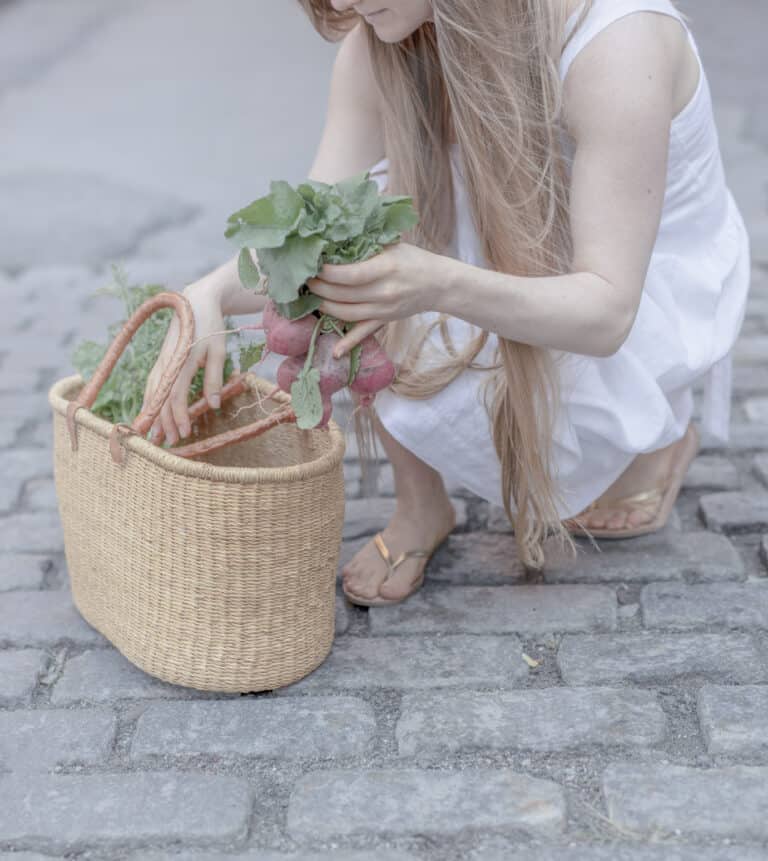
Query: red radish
[[376, 371], [290, 337], [327, 410], [288, 370], [334, 373]]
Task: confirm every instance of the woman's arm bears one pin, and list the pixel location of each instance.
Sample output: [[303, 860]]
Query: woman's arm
[[233, 297], [618, 103]]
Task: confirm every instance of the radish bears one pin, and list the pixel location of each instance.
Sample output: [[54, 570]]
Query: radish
[[376, 371], [334, 373], [290, 337], [288, 370]]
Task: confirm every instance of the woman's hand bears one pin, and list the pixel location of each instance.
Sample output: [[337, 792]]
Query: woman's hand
[[400, 281], [209, 353]]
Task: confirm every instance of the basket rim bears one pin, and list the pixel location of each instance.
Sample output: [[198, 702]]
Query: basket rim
[[164, 458]]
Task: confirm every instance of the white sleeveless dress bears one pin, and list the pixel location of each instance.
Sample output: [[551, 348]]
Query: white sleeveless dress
[[640, 398]]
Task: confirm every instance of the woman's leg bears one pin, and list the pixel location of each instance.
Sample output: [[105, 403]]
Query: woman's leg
[[423, 515]]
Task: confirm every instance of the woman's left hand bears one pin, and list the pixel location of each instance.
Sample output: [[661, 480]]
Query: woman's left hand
[[398, 282]]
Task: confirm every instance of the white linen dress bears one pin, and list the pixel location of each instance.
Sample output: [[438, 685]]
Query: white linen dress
[[639, 399]]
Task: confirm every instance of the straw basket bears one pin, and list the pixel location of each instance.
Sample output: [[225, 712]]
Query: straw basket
[[211, 565]]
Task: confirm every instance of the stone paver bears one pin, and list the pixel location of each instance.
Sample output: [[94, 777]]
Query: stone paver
[[554, 719], [34, 618], [592, 711], [734, 719], [104, 676], [718, 802], [70, 810], [336, 802], [726, 605], [311, 726], [654, 657], [735, 512], [666, 851], [514, 609], [23, 570], [694, 557], [418, 662], [19, 671], [40, 739]]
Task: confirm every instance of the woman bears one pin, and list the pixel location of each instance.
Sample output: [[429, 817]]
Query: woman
[[579, 263]]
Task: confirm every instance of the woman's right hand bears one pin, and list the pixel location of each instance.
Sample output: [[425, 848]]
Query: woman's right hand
[[209, 353]]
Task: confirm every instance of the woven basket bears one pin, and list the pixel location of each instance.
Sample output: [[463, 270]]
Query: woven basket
[[216, 570]]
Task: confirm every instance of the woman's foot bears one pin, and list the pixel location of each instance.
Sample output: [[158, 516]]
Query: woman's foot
[[414, 526], [646, 471]]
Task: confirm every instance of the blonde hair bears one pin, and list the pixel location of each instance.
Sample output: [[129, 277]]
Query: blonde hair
[[490, 69]]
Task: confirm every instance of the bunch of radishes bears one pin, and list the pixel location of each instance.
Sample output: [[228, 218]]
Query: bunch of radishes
[[308, 342]]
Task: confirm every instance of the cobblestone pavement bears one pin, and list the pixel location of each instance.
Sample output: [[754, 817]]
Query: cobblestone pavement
[[640, 733]]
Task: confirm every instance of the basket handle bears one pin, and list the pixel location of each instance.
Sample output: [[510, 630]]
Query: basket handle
[[146, 418]]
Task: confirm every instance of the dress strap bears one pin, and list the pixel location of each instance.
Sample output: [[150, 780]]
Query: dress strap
[[605, 12]]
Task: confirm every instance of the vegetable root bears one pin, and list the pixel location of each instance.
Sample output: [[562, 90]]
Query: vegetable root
[[376, 371]]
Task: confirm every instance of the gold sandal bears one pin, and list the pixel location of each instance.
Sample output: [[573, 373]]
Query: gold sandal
[[387, 556], [659, 499]]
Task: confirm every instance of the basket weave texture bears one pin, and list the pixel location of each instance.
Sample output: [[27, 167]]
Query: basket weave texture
[[216, 573]]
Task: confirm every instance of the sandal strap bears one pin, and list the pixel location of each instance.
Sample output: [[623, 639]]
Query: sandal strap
[[653, 496], [387, 556]]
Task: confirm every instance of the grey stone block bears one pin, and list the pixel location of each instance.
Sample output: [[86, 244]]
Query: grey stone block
[[19, 671], [751, 350], [69, 810], [658, 851], [371, 514], [85, 217], [663, 799], [749, 380], [268, 855], [734, 719], [290, 727], [757, 409], [552, 719], [23, 570], [693, 556], [760, 467], [41, 618], [499, 609], [735, 512], [104, 675], [656, 657], [712, 472], [39, 739], [32, 532], [344, 802], [417, 662], [681, 607], [40, 495], [477, 559], [16, 466]]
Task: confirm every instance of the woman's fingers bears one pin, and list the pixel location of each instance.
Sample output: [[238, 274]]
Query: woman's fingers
[[179, 398], [356, 335], [214, 371]]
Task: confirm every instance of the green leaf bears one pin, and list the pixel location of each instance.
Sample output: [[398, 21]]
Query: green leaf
[[305, 304], [400, 217], [250, 355], [290, 266], [248, 271], [267, 221], [306, 400]]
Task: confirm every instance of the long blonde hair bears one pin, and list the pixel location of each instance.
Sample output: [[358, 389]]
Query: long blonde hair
[[489, 71]]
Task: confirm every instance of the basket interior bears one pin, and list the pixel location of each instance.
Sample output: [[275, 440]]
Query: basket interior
[[281, 446]]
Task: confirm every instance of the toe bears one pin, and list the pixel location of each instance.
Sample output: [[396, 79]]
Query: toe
[[617, 519]]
